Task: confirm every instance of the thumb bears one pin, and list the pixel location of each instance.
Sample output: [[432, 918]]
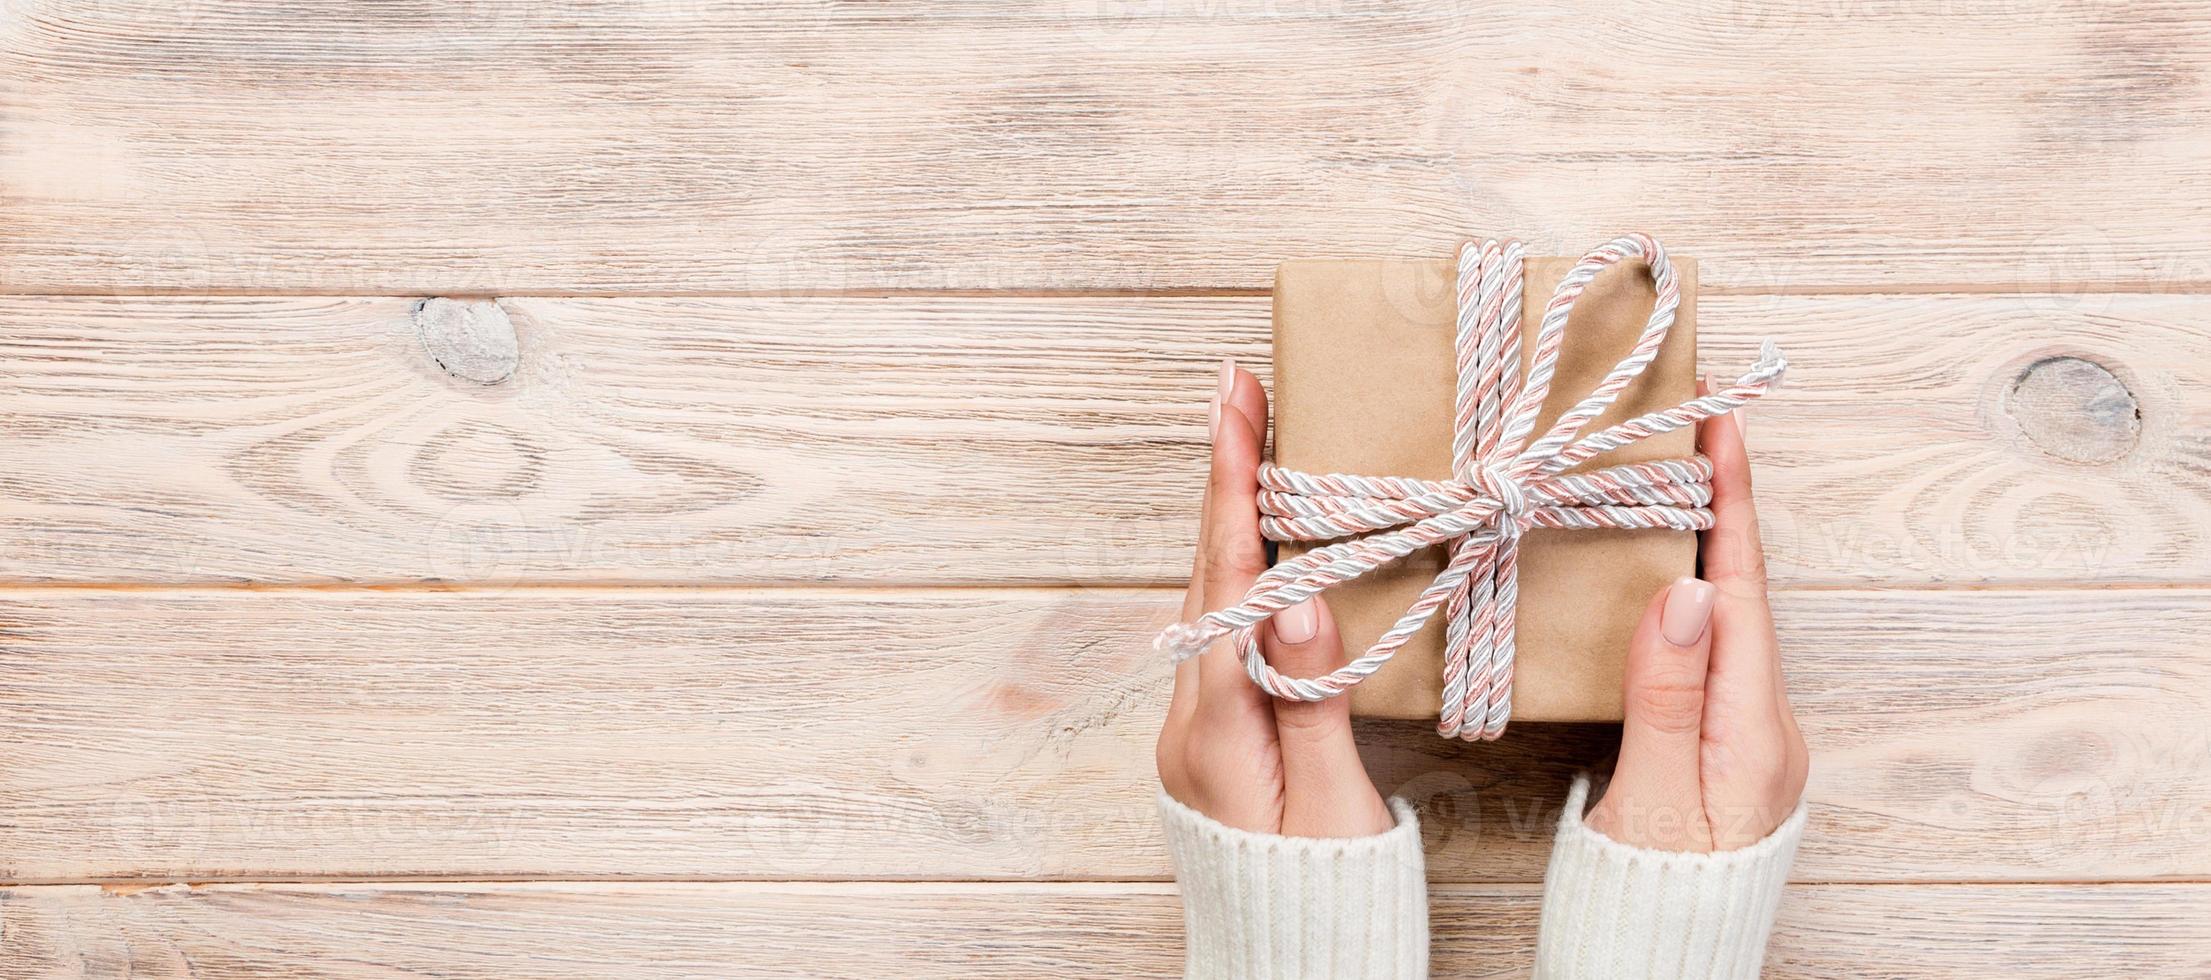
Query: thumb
[[1656, 797], [1326, 791]]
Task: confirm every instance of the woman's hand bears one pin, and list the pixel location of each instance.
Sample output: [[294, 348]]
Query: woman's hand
[[1228, 750], [1710, 756]]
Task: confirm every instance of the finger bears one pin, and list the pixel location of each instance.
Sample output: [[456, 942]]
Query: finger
[[1746, 658], [1185, 697], [1753, 756], [1320, 761], [1194, 601], [1235, 554], [1732, 556], [1655, 796], [1747, 685], [1249, 398], [1745, 672], [1326, 790]]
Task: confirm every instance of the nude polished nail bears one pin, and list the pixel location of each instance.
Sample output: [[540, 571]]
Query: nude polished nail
[[1220, 397], [1687, 611], [1298, 623]]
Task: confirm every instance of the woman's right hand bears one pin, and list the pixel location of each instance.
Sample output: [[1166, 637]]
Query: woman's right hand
[[1227, 749], [1710, 755]]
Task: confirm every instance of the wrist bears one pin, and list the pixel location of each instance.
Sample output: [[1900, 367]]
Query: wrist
[[1678, 827], [1695, 828], [1357, 812]]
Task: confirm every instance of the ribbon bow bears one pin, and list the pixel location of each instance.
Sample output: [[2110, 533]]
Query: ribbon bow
[[1502, 486]]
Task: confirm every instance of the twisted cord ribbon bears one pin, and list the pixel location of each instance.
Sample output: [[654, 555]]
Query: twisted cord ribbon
[[1501, 486]]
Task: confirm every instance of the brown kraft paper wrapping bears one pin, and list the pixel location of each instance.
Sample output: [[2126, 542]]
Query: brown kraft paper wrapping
[[1363, 380]]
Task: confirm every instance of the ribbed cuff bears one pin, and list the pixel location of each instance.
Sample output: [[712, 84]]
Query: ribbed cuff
[[1265, 906], [1611, 910]]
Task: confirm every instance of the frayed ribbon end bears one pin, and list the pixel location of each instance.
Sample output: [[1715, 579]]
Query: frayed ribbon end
[[1771, 363], [1179, 642]]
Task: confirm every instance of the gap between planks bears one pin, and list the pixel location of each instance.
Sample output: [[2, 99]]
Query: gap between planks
[[2181, 287], [959, 588], [1160, 885]]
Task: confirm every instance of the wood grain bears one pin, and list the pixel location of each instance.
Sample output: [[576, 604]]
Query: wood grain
[[1935, 439], [963, 734], [899, 299], [467, 931], [682, 147]]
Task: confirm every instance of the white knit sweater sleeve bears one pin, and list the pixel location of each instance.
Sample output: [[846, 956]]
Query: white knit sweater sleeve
[[1286, 908], [1612, 911]]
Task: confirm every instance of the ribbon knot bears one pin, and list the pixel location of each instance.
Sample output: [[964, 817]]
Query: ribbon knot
[[1505, 485], [1513, 512]]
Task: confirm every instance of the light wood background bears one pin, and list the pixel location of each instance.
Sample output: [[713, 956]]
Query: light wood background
[[746, 571]]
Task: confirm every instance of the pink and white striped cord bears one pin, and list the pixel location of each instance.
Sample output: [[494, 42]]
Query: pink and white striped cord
[[1501, 486]]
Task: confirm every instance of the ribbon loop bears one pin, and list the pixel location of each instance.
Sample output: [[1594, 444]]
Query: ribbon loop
[[1505, 485]]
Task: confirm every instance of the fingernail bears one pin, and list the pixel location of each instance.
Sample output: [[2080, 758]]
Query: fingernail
[[1738, 416], [1688, 609], [1297, 624], [1220, 397]]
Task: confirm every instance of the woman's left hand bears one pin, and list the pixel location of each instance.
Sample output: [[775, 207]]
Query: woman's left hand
[[1227, 749]]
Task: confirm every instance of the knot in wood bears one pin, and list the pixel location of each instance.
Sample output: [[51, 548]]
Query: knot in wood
[[471, 339], [2075, 409]]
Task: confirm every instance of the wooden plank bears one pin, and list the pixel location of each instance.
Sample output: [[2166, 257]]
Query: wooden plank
[[988, 440], [678, 440], [810, 733], [229, 145], [463, 931]]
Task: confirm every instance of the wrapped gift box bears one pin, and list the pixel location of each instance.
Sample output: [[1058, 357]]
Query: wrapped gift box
[[1363, 381]]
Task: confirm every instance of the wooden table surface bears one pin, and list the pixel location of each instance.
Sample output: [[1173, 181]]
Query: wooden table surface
[[746, 569]]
